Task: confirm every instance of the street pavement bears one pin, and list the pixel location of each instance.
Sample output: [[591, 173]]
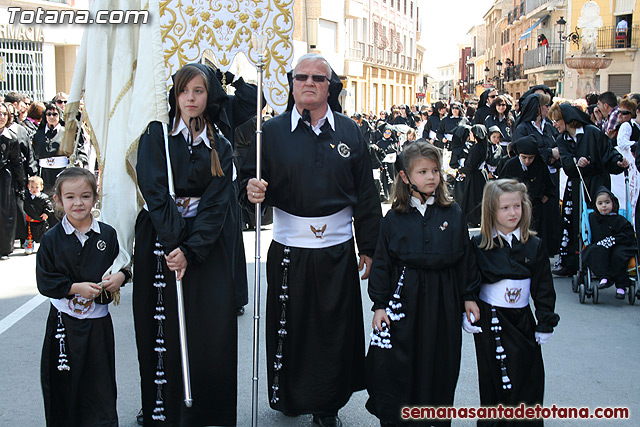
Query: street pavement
[[591, 361]]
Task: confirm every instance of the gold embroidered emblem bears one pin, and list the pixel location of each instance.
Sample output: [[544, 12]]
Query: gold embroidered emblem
[[80, 305], [319, 233], [512, 296], [332, 146]]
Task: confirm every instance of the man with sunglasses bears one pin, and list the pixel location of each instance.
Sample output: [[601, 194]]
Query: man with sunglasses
[[484, 106], [60, 100], [317, 175]]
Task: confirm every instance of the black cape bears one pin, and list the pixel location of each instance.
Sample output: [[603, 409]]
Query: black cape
[[12, 182]]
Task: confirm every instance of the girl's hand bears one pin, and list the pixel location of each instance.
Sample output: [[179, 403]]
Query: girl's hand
[[365, 261], [556, 153], [86, 290], [472, 307], [44, 216], [256, 190], [379, 316], [113, 282], [177, 262]]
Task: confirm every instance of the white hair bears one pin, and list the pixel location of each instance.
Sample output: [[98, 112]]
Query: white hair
[[315, 57]]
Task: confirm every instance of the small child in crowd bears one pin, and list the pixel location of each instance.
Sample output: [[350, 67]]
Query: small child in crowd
[[612, 243], [78, 355], [422, 264], [514, 266], [38, 208]]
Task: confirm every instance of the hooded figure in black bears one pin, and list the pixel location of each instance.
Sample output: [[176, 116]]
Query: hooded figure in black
[[200, 226], [545, 137], [544, 88], [476, 174], [460, 145], [317, 170], [613, 242], [535, 175], [505, 124], [444, 135], [386, 150], [497, 155], [590, 148], [484, 109]]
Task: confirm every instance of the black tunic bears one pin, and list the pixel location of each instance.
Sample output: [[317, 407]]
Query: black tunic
[[209, 296], [538, 182], [46, 143], [30, 169], [610, 261], [448, 126], [504, 126], [11, 181], [594, 145], [523, 360], [34, 207], [423, 365], [86, 394], [323, 355]]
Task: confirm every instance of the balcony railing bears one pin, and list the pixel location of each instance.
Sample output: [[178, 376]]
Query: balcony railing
[[515, 72], [543, 56], [531, 5], [610, 38], [372, 54]]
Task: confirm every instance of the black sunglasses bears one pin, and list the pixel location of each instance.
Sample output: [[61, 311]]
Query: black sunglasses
[[317, 78], [60, 101], [52, 114], [492, 96], [624, 112]]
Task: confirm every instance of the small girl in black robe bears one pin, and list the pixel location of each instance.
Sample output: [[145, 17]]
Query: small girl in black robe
[[78, 355], [38, 208], [612, 243], [514, 266], [422, 263]]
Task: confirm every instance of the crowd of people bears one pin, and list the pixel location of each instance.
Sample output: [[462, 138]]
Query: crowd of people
[[494, 164]]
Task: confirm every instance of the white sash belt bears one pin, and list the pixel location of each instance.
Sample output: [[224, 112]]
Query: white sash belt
[[56, 162], [312, 232], [507, 293], [80, 308]]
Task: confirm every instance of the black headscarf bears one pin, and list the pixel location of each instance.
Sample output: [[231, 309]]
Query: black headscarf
[[525, 145], [494, 129], [544, 88], [335, 87], [571, 113], [216, 99], [614, 199], [528, 109], [484, 97], [480, 133]]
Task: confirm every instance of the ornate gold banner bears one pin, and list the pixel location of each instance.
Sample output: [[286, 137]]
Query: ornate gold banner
[[189, 27]]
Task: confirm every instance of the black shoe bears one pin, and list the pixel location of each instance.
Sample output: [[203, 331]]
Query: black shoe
[[620, 293], [240, 311], [140, 418], [327, 421], [564, 272]]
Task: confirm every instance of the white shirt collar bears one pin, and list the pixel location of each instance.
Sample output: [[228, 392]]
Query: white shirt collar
[[421, 207], [70, 229], [295, 119], [542, 123], [579, 131], [509, 236], [524, 167], [56, 128], [182, 128]]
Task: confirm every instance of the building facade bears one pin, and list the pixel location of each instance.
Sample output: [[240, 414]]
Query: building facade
[[38, 60]]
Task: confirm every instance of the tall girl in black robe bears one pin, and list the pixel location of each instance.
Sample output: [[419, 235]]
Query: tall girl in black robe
[[460, 145], [444, 134], [591, 144], [11, 180], [501, 118], [533, 122], [433, 123], [510, 366], [209, 296], [424, 246]]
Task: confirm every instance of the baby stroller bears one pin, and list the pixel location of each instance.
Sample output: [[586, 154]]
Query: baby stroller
[[581, 282]]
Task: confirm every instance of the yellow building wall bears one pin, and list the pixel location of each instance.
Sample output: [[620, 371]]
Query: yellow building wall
[[606, 12]]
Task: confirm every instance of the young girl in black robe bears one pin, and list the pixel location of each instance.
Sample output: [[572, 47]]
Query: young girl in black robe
[[78, 356], [476, 175], [185, 237], [514, 266], [422, 263], [612, 243]]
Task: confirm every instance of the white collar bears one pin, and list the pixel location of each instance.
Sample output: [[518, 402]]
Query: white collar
[[542, 123], [328, 116], [70, 229], [56, 128], [524, 167], [182, 128], [421, 207], [579, 131], [509, 236]]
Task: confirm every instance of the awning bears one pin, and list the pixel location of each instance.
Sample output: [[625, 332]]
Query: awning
[[527, 33]]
